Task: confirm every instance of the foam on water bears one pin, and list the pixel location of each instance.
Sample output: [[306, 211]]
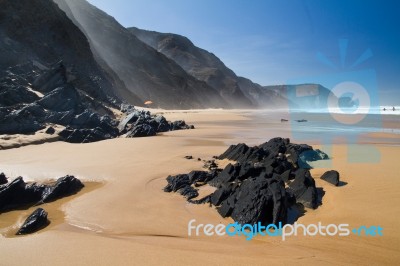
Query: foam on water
[[379, 110]]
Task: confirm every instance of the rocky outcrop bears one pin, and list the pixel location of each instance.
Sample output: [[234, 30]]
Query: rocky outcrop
[[64, 186], [3, 179], [39, 32], [142, 124], [50, 131], [262, 186], [16, 194], [20, 194], [180, 124], [141, 130], [53, 100], [36, 221], [303, 188], [182, 183]]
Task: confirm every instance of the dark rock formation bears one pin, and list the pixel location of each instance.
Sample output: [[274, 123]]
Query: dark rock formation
[[259, 200], [64, 105], [210, 165], [199, 178], [142, 124], [141, 130], [14, 194], [50, 131], [303, 188], [55, 78], [11, 95], [162, 124], [36, 221], [182, 183], [64, 186], [253, 189], [177, 182], [84, 135], [61, 99], [3, 179], [332, 177], [180, 124], [20, 194], [61, 103], [38, 34], [129, 118]]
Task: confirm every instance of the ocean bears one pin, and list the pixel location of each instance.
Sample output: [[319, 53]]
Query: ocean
[[380, 110], [322, 126]]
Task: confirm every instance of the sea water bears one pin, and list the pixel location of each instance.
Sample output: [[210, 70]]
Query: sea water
[[321, 126], [378, 110]]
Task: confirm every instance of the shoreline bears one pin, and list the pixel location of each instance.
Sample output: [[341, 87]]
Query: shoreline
[[136, 221], [11, 220], [385, 128]]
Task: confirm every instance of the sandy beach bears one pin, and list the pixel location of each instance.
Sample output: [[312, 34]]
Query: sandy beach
[[123, 216]]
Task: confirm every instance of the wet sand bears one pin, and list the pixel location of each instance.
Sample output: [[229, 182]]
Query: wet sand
[[130, 220], [20, 140], [12, 220]]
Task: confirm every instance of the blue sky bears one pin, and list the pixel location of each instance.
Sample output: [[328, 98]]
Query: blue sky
[[277, 42]]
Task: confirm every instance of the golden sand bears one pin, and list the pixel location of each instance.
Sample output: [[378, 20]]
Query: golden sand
[[131, 221]]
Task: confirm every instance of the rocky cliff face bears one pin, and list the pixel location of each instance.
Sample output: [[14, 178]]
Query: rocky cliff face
[[145, 72], [241, 92], [199, 63], [107, 64], [41, 33], [49, 77]]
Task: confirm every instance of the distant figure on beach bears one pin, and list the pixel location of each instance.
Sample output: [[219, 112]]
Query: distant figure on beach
[[384, 109], [394, 109]]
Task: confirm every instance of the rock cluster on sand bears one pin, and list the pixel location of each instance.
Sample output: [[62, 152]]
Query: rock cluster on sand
[[261, 186], [140, 123], [32, 98], [18, 194]]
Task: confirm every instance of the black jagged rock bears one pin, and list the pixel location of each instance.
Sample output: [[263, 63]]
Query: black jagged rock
[[35, 221]]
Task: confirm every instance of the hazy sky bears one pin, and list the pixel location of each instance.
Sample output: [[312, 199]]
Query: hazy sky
[[281, 42]]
